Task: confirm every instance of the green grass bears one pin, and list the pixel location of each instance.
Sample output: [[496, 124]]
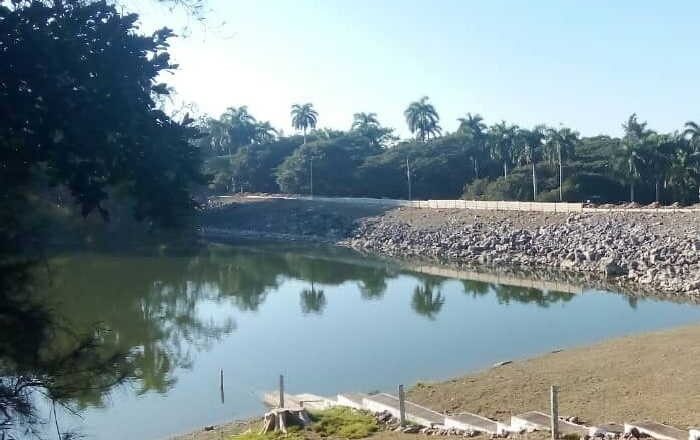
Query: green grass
[[293, 433], [344, 423]]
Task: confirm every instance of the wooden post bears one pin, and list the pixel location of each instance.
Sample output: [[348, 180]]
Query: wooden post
[[554, 403], [408, 177], [221, 384], [402, 406], [281, 391]]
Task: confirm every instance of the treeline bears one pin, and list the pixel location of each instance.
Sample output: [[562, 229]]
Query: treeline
[[498, 162]]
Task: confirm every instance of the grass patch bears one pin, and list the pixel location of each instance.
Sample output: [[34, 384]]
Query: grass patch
[[293, 433], [343, 422]]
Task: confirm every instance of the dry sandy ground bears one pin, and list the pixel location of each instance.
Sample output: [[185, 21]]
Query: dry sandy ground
[[651, 376]]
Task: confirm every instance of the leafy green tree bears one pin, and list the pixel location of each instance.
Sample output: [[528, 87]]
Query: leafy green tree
[[79, 106], [530, 150], [304, 117], [422, 119]]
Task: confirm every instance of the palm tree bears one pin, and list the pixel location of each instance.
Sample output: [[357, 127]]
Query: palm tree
[[531, 147], [240, 124], [304, 117], [636, 135], [692, 133], [659, 153], [265, 132], [368, 126], [218, 136], [561, 144], [502, 144], [473, 126], [362, 122], [422, 119]]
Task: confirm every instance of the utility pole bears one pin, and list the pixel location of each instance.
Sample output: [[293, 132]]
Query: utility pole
[[311, 171], [408, 177]]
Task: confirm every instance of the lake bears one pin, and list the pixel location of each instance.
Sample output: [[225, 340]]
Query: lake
[[327, 318]]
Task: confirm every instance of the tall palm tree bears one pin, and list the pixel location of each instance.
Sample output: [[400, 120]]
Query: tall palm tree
[[473, 126], [304, 117], [560, 145], [422, 119], [502, 142], [532, 141], [633, 142]]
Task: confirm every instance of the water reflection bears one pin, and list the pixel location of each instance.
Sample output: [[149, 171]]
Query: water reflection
[[150, 303], [150, 308], [427, 298]]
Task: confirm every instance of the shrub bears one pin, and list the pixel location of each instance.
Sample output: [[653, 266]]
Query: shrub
[[343, 422]]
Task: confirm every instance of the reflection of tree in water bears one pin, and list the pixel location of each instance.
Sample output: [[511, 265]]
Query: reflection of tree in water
[[372, 288], [40, 358], [476, 288], [543, 298], [426, 301], [524, 295], [312, 301], [151, 308]]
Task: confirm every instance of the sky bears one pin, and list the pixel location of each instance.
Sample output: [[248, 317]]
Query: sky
[[583, 64]]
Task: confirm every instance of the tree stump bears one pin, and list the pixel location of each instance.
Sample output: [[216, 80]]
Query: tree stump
[[279, 419]]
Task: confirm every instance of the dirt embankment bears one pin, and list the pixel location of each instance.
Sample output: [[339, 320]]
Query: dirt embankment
[[657, 253], [652, 376]]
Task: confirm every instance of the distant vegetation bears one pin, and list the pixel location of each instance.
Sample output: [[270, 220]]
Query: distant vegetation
[[498, 162]]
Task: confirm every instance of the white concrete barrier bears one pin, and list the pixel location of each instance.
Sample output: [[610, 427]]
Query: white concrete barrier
[[560, 207]]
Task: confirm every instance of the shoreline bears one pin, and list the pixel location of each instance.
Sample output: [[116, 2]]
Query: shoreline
[[639, 254], [646, 376]]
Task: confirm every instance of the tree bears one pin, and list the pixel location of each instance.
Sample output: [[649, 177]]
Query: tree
[[79, 112], [502, 144], [367, 125], [78, 105], [422, 119], [474, 127], [304, 117], [559, 146], [531, 148], [636, 135], [264, 133]]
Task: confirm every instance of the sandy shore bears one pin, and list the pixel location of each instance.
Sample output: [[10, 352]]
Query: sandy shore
[[652, 376]]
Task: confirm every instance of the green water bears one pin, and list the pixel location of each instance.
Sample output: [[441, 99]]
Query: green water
[[329, 319]]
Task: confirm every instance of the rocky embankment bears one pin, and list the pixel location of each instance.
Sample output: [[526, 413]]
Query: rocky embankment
[[654, 253]]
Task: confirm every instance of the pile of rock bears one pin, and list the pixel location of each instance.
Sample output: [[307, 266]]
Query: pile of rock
[[615, 247]]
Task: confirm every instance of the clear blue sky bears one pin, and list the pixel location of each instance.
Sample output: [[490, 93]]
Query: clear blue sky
[[586, 64]]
